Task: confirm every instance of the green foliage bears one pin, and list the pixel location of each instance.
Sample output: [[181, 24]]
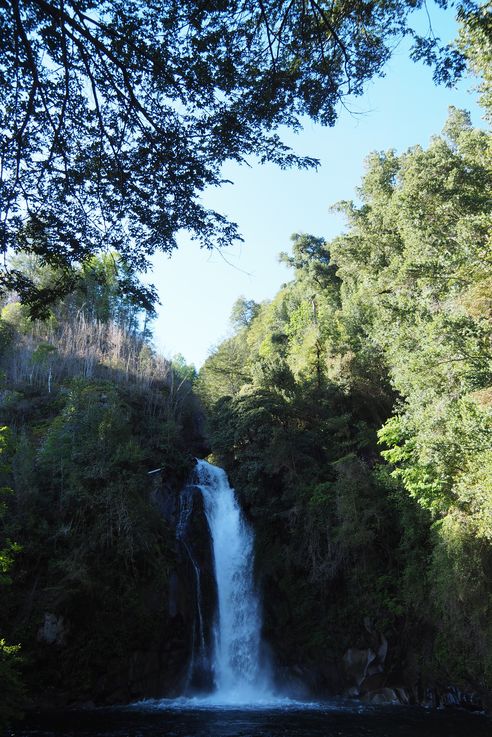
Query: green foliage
[[421, 279], [12, 690], [460, 572], [43, 353], [475, 41], [387, 332], [224, 372], [416, 255], [243, 311], [92, 551], [94, 462], [183, 370], [289, 438], [16, 316], [94, 547]]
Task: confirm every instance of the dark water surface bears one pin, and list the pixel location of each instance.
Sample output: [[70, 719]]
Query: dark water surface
[[317, 720]]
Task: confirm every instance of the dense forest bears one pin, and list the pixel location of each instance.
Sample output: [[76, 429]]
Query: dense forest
[[353, 415], [352, 412], [90, 410]]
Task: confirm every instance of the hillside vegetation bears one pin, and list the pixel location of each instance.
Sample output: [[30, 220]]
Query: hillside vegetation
[[354, 414], [90, 410]]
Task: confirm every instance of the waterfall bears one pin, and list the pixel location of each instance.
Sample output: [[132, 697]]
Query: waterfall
[[239, 663]]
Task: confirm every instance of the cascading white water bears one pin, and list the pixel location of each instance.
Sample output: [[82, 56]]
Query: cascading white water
[[240, 666]]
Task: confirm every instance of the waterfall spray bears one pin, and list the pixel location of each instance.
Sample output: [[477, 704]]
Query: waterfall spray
[[240, 665]]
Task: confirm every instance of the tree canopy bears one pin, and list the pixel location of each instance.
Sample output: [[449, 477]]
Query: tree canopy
[[115, 116]]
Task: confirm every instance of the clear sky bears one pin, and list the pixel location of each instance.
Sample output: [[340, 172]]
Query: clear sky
[[197, 288]]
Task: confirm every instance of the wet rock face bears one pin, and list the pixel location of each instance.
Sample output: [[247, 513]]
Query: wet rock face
[[197, 538], [357, 664], [375, 678], [366, 674], [163, 669], [381, 696], [162, 666], [53, 631], [197, 543], [196, 553], [365, 668], [165, 499]]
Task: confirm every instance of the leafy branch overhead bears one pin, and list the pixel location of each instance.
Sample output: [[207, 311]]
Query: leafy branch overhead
[[115, 116]]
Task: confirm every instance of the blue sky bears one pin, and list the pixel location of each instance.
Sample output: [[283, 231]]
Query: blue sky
[[197, 288]]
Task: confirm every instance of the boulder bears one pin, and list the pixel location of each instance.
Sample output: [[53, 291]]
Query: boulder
[[356, 662], [381, 696], [372, 682]]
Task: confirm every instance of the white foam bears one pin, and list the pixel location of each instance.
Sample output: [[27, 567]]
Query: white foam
[[240, 664], [219, 702]]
